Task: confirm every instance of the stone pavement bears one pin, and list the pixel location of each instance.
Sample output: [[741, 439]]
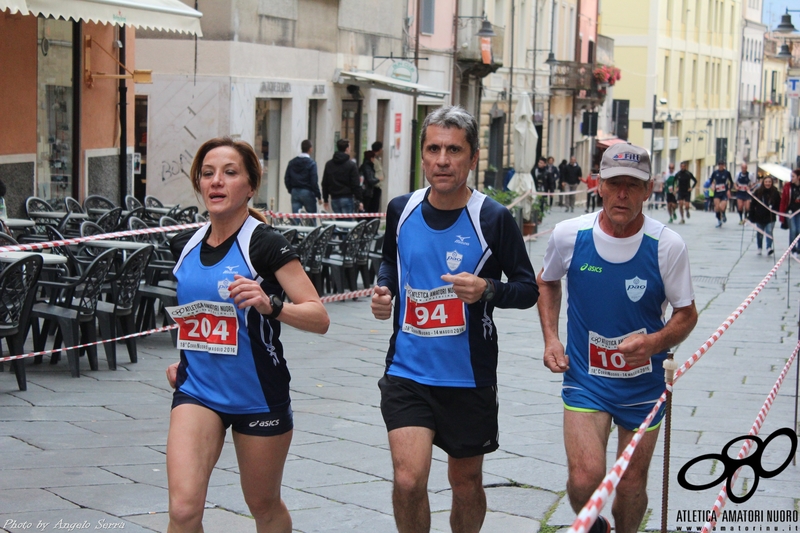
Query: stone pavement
[[89, 453]]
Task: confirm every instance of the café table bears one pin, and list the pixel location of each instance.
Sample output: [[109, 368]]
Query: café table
[[300, 229], [47, 258], [343, 224], [57, 215], [18, 223], [119, 245]]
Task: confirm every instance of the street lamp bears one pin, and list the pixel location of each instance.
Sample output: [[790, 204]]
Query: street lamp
[[784, 52], [786, 25]]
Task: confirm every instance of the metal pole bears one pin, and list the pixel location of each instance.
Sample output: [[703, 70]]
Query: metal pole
[[653, 131], [123, 122], [550, 96], [669, 376], [455, 53], [413, 174], [510, 92]]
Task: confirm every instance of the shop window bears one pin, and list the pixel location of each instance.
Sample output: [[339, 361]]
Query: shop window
[[54, 128]]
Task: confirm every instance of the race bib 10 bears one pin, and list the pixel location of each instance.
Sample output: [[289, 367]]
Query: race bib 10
[[207, 326], [606, 361], [434, 313]]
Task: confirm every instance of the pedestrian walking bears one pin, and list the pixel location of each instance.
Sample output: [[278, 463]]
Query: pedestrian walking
[[446, 250], [302, 180], [341, 182], [572, 178], [616, 259], [762, 211], [790, 204], [232, 275]]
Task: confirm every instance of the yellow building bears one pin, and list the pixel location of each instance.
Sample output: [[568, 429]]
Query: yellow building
[[773, 143], [680, 65]]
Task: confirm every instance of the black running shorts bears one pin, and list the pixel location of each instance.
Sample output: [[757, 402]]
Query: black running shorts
[[267, 424], [464, 419]]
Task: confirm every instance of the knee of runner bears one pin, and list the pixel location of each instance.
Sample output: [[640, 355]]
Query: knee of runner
[[408, 483]]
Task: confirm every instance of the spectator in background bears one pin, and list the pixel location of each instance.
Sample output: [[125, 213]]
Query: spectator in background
[[340, 181], [790, 203], [553, 182], [370, 180], [572, 177], [302, 180], [373, 205], [591, 192], [762, 211], [562, 167]]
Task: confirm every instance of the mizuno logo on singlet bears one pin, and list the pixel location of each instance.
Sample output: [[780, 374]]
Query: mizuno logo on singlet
[[460, 239], [231, 269], [591, 268]]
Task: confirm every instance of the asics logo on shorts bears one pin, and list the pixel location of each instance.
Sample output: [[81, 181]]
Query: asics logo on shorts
[[265, 423]]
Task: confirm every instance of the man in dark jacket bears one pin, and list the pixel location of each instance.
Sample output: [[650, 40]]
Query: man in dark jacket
[[572, 177], [340, 181], [302, 180]]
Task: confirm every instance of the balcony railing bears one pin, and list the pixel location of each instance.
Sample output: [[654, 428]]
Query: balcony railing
[[749, 109], [572, 76]]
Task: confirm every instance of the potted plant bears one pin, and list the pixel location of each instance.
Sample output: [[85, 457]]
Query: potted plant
[[489, 176]]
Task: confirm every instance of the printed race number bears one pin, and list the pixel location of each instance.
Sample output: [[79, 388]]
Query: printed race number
[[207, 326], [434, 313], [605, 360]]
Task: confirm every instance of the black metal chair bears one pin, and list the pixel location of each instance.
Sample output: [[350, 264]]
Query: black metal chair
[[365, 245], [186, 215], [109, 220], [152, 201], [291, 235], [166, 221], [319, 248], [123, 223], [201, 218], [33, 205], [17, 282], [341, 263], [73, 205], [305, 247], [72, 308], [7, 240], [124, 287], [97, 202], [131, 203]]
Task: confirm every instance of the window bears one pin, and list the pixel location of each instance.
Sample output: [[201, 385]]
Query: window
[[669, 9], [665, 88], [680, 81], [427, 16]]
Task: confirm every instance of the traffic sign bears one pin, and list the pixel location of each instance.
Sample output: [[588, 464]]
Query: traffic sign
[[793, 87]]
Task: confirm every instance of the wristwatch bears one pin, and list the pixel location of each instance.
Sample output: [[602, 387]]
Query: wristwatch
[[488, 292], [277, 306]]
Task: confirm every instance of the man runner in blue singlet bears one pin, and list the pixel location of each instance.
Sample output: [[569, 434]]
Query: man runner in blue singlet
[[445, 251], [622, 260]]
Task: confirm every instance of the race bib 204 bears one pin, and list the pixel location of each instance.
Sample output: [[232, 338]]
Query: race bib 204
[[606, 361], [207, 326], [434, 313]]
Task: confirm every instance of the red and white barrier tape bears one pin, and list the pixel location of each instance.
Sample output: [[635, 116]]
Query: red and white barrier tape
[[38, 246], [785, 215], [56, 350], [599, 498], [324, 299], [274, 214], [755, 428]]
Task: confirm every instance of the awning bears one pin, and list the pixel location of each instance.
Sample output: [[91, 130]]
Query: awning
[[13, 6], [605, 143], [168, 15], [370, 79], [776, 171]]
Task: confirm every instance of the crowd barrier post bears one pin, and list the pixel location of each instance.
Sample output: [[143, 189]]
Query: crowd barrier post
[[670, 366]]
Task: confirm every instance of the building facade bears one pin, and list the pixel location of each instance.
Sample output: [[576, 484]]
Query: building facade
[[680, 72]]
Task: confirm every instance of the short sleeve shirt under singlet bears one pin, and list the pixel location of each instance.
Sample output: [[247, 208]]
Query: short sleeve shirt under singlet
[[255, 379], [616, 287]]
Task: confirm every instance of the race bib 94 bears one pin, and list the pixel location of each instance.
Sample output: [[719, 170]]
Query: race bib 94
[[434, 313], [207, 326], [605, 360]]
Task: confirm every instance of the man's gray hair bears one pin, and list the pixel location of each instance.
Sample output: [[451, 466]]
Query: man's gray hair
[[453, 117]]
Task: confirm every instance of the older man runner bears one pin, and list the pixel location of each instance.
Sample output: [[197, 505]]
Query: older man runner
[[619, 260], [445, 251]]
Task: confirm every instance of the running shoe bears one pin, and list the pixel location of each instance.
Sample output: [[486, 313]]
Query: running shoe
[[770, 251], [719, 224], [688, 213], [683, 221], [601, 525], [741, 222], [759, 251], [724, 218]]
